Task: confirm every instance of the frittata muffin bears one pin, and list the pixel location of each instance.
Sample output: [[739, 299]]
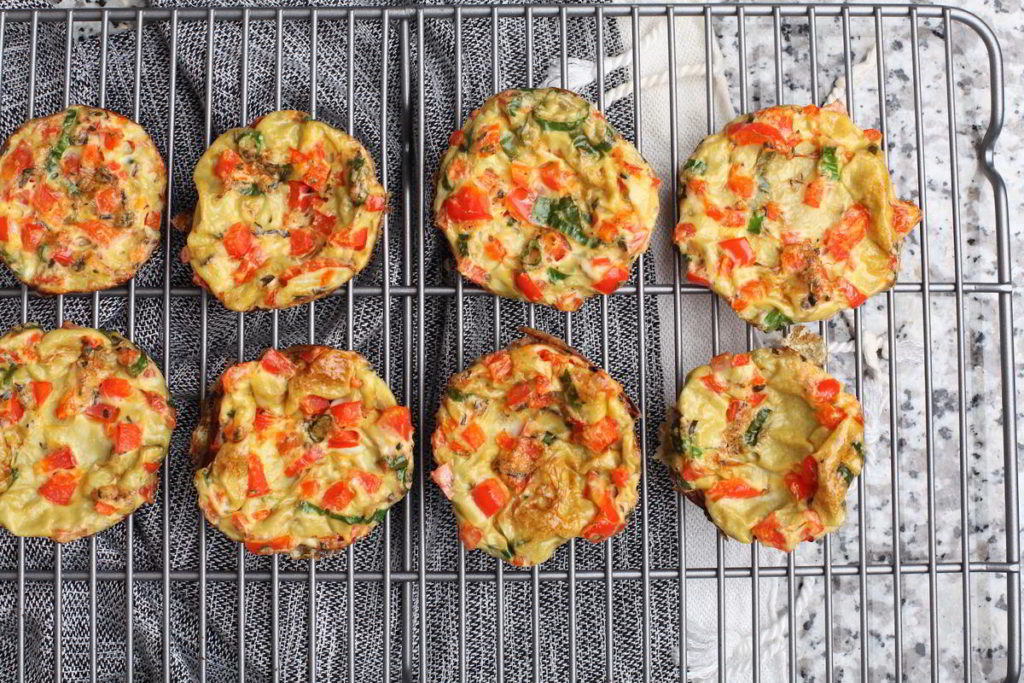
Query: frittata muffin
[[81, 193], [85, 424], [288, 211], [788, 213], [535, 446], [301, 452], [768, 444], [542, 200]]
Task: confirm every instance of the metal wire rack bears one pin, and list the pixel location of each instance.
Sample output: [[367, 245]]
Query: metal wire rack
[[905, 566]]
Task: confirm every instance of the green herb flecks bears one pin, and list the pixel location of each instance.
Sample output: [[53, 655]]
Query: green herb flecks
[[139, 365], [754, 428], [549, 438], [15, 473], [456, 395], [377, 516], [828, 165], [565, 217], [249, 143], [63, 141], [510, 144], [846, 473], [250, 190], [512, 107], [857, 446], [695, 166], [685, 445], [462, 244], [541, 211], [9, 374], [569, 389], [357, 179], [561, 126], [585, 145], [775, 320], [754, 224], [556, 275], [400, 465]]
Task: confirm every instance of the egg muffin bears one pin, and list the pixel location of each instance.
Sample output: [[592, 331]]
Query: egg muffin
[[542, 200], [788, 214], [85, 424], [768, 444], [301, 452], [288, 211], [81, 193], [534, 446]]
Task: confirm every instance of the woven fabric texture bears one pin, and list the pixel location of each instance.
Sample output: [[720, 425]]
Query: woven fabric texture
[[331, 325]]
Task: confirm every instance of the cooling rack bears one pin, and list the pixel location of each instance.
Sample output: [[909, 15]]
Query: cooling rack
[[934, 615]]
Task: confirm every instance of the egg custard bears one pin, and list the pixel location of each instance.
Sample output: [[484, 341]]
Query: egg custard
[[81, 192], [288, 211], [301, 452], [789, 215], [85, 424], [535, 446], [768, 444], [542, 200]]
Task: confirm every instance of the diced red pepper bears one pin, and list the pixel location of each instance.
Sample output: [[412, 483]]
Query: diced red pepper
[[18, 161], [739, 250], [353, 240], [853, 295], [345, 438], [873, 134], [468, 203], [369, 481], [103, 412], [60, 487], [606, 521], [490, 496], [338, 496], [597, 437], [238, 240], [756, 133], [107, 199], [278, 544], [104, 508], [348, 413], [518, 395], [227, 162], [712, 383], [100, 232], [127, 437], [826, 390], [802, 482], [276, 363], [732, 488], [814, 192], [456, 138], [397, 418], [852, 227], [830, 416], [301, 241], [772, 211], [684, 231], [376, 202], [767, 531], [116, 387], [262, 420], [494, 250], [552, 175], [741, 184], [735, 406], [740, 359], [44, 199], [528, 287], [470, 535], [613, 277], [499, 365], [474, 436], [32, 234], [300, 195], [301, 463], [620, 476], [313, 405], [905, 215], [40, 390], [257, 479], [316, 174], [63, 256], [60, 459]]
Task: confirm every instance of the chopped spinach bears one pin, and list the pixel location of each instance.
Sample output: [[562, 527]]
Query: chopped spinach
[[828, 165], [775, 319], [139, 365], [462, 244], [531, 254], [400, 464], [685, 444], [512, 107], [377, 516], [562, 126], [357, 180], [754, 428], [565, 218], [695, 166], [569, 389], [541, 211], [754, 224], [510, 145], [556, 275], [456, 395], [14, 475], [846, 473], [584, 144], [857, 446], [250, 190], [63, 141], [549, 438], [8, 374]]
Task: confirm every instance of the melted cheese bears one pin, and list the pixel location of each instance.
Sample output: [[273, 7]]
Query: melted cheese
[[85, 425], [526, 422], [301, 452], [788, 213], [81, 193], [767, 443], [542, 200], [289, 209]]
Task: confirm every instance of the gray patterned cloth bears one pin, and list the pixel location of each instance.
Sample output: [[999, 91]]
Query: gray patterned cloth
[[330, 325]]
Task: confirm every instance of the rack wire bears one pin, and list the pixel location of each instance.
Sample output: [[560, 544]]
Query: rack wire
[[408, 292]]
